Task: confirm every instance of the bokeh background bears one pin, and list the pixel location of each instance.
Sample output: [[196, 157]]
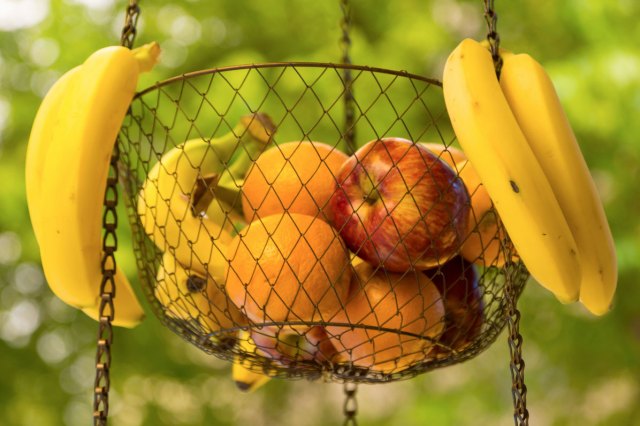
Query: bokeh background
[[580, 370]]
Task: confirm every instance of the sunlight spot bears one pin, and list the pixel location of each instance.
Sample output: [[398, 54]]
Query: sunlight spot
[[19, 14], [44, 52], [28, 278], [10, 248], [5, 110], [173, 54], [459, 17], [53, 347], [60, 312], [79, 376], [166, 15], [623, 68], [20, 321], [77, 412], [186, 29], [609, 397], [94, 4], [214, 31]]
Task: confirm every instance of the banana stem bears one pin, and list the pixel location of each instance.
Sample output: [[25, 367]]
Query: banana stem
[[147, 56], [260, 131], [252, 127]]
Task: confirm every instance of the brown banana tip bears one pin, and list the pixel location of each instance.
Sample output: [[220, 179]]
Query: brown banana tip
[[243, 386]]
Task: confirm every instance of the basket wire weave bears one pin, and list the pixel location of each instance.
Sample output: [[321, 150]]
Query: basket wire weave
[[303, 103]]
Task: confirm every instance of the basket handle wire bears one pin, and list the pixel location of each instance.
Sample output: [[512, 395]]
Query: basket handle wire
[[102, 382], [518, 387]]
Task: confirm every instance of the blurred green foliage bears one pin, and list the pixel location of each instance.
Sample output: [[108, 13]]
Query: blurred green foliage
[[580, 370]]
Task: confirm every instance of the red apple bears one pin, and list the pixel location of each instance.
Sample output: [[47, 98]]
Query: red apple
[[287, 345], [457, 282], [399, 206], [395, 318]]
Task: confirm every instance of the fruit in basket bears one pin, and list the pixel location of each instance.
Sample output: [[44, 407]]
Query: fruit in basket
[[170, 202], [484, 231], [539, 113], [457, 282], [67, 164], [287, 345], [294, 177], [449, 154], [189, 296], [288, 267], [399, 303], [398, 206], [482, 242], [494, 143], [219, 194], [246, 378]]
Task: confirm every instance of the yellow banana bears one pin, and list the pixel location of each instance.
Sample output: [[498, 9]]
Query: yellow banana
[[245, 378], [127, 310], [167, 204], [535, 104], [39, 142], [496, 147], [189, 296], [66, 171]]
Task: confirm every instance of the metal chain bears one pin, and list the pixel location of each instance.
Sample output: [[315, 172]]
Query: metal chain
[[349, 111], [129, 30], [102, 382], [350, 407], [493, 37], [518, 388]]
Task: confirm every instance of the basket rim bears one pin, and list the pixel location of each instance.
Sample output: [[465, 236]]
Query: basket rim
[[294, 64]]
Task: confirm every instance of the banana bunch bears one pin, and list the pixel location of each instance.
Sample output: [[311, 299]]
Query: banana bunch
[[246, 379], [188, 296], [67, 165], [186, 204], [517, 136]]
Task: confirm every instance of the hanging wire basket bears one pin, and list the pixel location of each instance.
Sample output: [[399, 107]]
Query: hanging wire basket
[[266, 228]]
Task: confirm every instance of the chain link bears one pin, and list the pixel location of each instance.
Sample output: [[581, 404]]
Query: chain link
[[102, 381], [493, 37], [349, 111], [129, 29], [518, 388], [350, 407]]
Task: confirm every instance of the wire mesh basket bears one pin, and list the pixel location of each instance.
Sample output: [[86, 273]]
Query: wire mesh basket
[[275, 223]]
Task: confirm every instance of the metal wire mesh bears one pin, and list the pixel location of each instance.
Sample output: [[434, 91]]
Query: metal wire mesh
[[259, 237]]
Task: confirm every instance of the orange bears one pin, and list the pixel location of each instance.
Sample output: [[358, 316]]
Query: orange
[[294, 177], [449, 155], [396, 320], [482, 244], [288, 268]]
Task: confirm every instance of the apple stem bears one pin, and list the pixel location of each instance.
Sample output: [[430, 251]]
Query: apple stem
[[372, 196]]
